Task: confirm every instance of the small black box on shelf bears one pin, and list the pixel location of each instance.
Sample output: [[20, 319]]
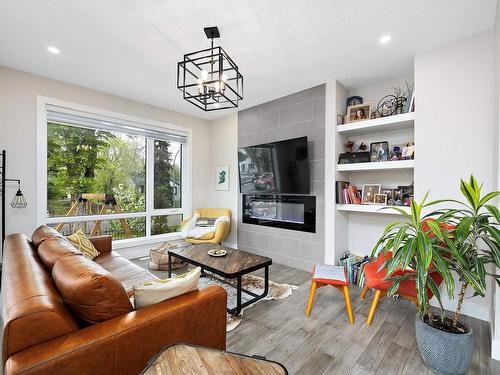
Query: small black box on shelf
[[354, 157]]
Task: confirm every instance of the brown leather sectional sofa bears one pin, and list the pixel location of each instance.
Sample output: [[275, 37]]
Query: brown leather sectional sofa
[[43, 334]]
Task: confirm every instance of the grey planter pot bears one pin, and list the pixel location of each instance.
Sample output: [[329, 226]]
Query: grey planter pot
[[444, 352]]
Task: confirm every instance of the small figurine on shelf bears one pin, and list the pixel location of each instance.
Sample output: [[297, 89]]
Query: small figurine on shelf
[[395, 153], [350, 146], [362, 146]]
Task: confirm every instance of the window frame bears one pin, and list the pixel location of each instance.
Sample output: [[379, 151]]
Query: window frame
[[186, 183]]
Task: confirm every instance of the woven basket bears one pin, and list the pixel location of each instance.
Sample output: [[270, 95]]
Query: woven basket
[[159, 256]]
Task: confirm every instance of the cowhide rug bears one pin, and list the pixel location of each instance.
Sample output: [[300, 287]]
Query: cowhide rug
[[251, 283]]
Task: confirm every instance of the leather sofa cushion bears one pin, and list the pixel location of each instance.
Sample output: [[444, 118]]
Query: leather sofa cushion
[[42, 233], [33, 311], [51, 250], [92, 293], [125, 271]]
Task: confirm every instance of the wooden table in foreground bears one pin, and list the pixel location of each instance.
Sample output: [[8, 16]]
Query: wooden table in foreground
[[181, 359], [233, 265]]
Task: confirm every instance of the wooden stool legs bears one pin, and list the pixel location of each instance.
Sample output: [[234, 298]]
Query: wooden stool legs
[[312, 292], [376, 297], [364, 291], [345, 291]]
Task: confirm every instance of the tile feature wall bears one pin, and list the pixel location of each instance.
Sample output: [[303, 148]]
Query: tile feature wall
[[292, 116]]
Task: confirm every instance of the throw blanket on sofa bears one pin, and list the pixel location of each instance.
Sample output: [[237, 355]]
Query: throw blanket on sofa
[[190, 230]]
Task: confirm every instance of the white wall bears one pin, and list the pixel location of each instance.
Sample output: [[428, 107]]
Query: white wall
[[373, 93], [224, 146], [455, 131], [495, 306], [18, 95]]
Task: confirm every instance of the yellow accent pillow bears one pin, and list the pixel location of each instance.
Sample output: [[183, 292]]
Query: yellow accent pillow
[[82, 243]]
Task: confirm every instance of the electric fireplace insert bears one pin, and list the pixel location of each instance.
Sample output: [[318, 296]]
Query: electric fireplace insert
[[295, 212]]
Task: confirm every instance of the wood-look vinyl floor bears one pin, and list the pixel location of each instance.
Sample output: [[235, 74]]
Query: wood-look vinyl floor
[[325, 343]]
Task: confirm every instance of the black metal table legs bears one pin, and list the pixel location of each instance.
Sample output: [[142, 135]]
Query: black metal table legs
[[239, 289]]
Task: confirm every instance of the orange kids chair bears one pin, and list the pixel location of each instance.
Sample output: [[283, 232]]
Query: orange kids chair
[[375, 279], [339, 284]]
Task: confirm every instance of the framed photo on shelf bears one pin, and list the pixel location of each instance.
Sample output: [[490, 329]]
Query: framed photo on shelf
[[359, 112], [405, 192], [379, 151], [388, 192], [381, 199], [396, 194], [408, 152], [369, 192]]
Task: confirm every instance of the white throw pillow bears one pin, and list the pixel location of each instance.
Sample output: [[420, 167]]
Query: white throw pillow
[[151, 292], [222, 219], [186, 228]]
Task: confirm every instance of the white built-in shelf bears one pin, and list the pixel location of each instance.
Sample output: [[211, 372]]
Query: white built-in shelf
[[381, 124], [371, 208], [376, 166]]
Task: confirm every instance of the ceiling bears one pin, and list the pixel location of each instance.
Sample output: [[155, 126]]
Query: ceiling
[[130, 48]]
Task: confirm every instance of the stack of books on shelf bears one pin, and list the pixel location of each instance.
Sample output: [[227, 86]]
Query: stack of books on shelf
[[347, 193], [353, 265]]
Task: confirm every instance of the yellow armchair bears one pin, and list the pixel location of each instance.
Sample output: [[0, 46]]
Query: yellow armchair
[[221, 230]]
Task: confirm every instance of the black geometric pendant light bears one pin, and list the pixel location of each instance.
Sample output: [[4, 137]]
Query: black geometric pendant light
[[209, 78]]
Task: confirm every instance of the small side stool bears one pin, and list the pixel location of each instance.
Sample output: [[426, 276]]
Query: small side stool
[[319, 279]]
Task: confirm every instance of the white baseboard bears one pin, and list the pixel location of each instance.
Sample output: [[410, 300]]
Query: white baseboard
[[481, 312], [495, 349]]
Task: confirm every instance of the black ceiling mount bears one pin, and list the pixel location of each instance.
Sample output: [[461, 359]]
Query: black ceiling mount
[[212, 32]]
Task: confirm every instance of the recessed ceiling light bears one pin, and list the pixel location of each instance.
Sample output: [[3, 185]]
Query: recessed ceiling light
[[385, 39], [53, 50]]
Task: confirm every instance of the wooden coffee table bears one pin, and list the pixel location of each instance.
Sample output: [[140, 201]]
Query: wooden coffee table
[[182, 359], [233, 265]]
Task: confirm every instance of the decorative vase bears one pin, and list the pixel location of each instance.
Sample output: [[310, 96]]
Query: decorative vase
[[444, 352]]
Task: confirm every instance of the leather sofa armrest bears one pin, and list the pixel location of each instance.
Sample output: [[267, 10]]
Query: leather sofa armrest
[[103, 244], [125, 344]]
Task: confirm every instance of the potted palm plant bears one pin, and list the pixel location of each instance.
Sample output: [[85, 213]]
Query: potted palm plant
[[460, 242]]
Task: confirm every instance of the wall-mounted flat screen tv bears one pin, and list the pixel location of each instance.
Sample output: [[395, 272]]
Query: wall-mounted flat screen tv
[[275, 168]]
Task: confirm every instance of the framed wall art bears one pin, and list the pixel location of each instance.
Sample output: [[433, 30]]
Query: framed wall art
[[222, 177]]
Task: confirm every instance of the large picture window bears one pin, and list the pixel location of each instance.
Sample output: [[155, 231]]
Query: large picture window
[[110, 178]]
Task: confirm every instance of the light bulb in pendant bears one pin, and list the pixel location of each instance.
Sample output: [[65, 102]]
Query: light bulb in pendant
[[223, 80], [199, 82]]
